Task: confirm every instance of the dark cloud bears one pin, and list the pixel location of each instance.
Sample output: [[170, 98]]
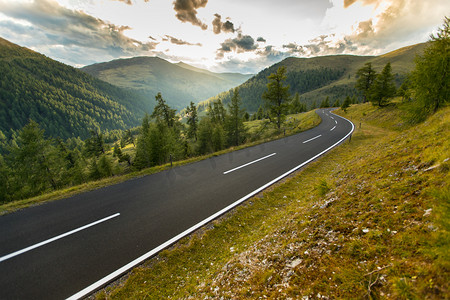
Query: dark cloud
[[176, 41], [187, 11], [261, 39], [219, 26], [242, 43], [62, 27]]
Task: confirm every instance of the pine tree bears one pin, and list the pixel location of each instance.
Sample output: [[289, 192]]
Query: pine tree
[[431, 77], [366, 77], [383, 87], [162, 112], [296, 105], [325, 103], [235, 123], [277, 95], [95, 144], [34, 162], [336, 103], [346, 103], [192, 121]]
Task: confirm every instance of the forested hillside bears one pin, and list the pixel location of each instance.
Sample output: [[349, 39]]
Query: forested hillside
[[179, 83], [319, 77], [64, 101]]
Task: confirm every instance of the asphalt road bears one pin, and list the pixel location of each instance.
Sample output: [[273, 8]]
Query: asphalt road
[[70, 247]]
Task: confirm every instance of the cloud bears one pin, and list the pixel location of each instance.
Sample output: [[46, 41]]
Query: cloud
[[180, 42], [261, 39], [219, 26], [187, 11], [394, 23], [62, 27], [293, 48], [242, 43], [347, 3]]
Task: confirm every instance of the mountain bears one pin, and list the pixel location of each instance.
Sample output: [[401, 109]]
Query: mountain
[[178, 83], [65, 101], [319, 77]]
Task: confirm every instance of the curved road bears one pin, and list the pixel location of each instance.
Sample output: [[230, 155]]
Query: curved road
[[71, 247]]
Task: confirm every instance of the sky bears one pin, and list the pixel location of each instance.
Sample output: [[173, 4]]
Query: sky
[[242, 36]]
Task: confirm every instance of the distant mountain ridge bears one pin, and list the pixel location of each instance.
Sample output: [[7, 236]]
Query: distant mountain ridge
[[65, 101], [319, 77], [178, 83]]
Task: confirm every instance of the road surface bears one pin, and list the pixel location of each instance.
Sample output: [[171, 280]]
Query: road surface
[[71, 247]]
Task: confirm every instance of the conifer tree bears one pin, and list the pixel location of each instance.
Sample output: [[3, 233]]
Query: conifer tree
[[277, 95], [346, 103], [383, 87], [366, 77], [34, 162], [192, 120], [235, 123], [431, 77]]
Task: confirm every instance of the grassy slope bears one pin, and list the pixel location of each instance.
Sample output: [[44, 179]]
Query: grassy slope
[[368, 220]]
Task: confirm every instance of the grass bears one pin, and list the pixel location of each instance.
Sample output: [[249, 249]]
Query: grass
[[368, 220], [298, 123]]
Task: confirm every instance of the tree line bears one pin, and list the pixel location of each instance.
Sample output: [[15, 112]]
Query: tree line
[[426, 88]]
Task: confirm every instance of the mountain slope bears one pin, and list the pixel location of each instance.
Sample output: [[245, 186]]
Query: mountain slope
[[178, 83], [318, 77], [63, 100]]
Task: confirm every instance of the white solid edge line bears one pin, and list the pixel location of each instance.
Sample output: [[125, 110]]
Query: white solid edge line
[[6, 257], [316, 137], [252, 162], [149, 254]]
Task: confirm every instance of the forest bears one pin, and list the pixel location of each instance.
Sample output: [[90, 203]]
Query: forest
[[66, 102], [299, 80]]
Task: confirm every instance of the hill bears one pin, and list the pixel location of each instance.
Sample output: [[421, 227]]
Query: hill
[[178, 83], [318, 77], [368, 220], [65, 101]]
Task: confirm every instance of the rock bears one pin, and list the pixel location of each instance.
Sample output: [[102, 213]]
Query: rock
[[295, 263], [427, 212]]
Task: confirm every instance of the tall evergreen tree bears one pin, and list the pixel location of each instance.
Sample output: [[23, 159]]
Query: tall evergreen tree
[[235, 123], [34, 162], [277, 95], [431, 77], [296, 105], [143, 150], [336, 103], [383, 88], [192, 120], [366, 77], [163, 113], [95, 144], [346, 103], [325, 103]]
